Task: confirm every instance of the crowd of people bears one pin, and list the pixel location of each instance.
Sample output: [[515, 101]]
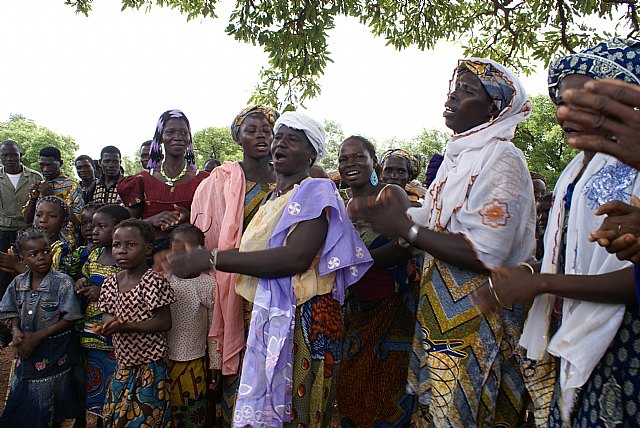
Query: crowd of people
[[282, 298]]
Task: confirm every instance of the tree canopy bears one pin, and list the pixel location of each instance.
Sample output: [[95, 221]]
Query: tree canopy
[[32, 138], [214, 142], [295, 34], [542, 141]]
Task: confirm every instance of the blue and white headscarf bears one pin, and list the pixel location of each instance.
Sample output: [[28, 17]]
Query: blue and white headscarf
[[614, 59]]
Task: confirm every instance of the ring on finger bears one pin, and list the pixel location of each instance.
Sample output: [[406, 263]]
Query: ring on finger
[[493, 291], [619, 227]]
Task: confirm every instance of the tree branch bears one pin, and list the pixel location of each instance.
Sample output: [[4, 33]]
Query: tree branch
[[563, 26]]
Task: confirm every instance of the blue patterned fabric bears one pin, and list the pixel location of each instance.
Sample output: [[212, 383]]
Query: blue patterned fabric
[[636, 276], [610, 396], [610, 184], [614, 59]]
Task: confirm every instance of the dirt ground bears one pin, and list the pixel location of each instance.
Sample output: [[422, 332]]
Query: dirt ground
[[6, 356]]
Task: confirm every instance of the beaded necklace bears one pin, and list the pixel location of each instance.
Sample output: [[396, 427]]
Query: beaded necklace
[[171, 181]]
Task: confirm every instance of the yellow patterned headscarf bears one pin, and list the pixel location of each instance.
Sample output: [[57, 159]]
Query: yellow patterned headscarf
[[270, 113], [496, 83], [415, 163]]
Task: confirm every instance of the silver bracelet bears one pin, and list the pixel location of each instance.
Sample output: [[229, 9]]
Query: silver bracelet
[[493, 292], [213, 260], [528, 266], [413, 233]]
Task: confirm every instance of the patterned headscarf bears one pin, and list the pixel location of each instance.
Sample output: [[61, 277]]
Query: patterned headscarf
[[270, 113], [155, 155], [614, 59], [415, 163], [494, 81]]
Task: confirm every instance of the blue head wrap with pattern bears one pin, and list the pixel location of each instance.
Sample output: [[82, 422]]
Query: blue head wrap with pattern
[[614, 59]]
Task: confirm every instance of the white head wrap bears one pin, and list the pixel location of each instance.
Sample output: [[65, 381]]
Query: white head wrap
[[311, 128], [483, 188]]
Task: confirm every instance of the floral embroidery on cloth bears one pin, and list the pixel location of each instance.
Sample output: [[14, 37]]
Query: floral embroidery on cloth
[[609, 184], [495, 213]]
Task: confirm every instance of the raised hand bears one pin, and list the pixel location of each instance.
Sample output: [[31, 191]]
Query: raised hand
[[607, 110], [387, 213]]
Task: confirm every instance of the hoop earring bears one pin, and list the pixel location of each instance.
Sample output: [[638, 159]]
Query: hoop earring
[[373, 179]]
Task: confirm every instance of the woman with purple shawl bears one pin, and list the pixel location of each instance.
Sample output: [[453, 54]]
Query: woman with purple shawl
[[296, 258]]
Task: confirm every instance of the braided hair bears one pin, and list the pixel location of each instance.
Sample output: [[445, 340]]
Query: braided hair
[[56, 201]]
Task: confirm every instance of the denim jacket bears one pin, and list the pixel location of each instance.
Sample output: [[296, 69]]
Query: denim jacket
[[53, 300]]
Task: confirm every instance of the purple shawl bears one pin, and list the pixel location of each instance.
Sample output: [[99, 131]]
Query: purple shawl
[[264, 395]]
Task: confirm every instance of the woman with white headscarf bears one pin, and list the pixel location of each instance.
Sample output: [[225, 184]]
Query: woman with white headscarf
[[478, 214], [296, 258], [582, 335]]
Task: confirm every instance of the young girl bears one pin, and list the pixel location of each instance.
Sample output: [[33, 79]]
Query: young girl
[[187, 339], [42, 307], [98, 350], [51, 217], [135, 305], [81, 254]]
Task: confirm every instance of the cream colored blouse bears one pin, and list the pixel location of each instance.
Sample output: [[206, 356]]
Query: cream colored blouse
[[256, 237]]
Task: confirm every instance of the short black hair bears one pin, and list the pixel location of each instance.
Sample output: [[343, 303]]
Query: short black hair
[[84, 158], [147, 231], [368, 145], [51, 152], [110, 149], [146, 143], [537, 176], [117, 212], [189, 229], [91, 206], [15, 143], [29, 236]]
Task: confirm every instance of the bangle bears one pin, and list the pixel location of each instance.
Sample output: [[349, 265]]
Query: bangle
[[493, 292], [412, 234], [528, 266], [213, 260]]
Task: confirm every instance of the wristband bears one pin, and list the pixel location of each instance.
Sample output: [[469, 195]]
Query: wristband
[[413, 233], [213, 260]]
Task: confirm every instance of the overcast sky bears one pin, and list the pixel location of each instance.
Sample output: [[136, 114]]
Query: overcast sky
[[107, 78]]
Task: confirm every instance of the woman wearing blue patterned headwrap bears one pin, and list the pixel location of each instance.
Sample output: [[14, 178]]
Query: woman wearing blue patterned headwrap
[[162, 196], [582, 358]]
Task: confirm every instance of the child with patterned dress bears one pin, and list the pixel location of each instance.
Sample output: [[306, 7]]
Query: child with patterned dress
[[45, 387], [187, 339], [98, 350], [135, 310], [81, 254]]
